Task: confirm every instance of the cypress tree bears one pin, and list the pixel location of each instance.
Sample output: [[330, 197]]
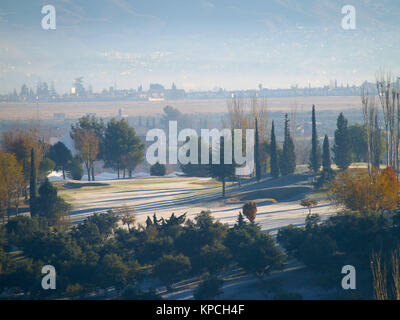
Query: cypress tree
[[315, 156], [274, 156], [342, 147], [288, 160], [257, 154], [32, 184], [240, 221], [326, 154]]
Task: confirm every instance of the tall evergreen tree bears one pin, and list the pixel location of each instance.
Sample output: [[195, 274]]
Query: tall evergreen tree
[[257, 153], [274, 155], [288, 159], [32, 184], [326, 154], [123, 149], [49, 204], [61, 155], [315, 156], [342, 147]]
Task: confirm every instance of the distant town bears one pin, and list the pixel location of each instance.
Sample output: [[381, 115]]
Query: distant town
[[157, 92]]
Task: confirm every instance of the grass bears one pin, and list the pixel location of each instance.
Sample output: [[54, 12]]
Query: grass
[[76, 185], [286, 193], [322, 194], [302, 168], [241, 198]]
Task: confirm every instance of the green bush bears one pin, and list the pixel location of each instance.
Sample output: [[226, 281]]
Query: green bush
[[75, 170], [157, 169]]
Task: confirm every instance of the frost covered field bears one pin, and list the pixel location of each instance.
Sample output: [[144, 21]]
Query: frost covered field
[[278, 200]]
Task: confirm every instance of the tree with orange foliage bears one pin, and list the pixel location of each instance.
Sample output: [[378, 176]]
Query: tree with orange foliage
[[87, 144], [20, 142], [250, 210], [359, 191], [308, 203], [11, 182]]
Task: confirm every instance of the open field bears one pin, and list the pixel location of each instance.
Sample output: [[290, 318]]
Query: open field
[[74, 110], [278, 200]]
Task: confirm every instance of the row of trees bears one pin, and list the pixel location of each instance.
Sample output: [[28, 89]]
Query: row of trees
[[115, 143], [350, 144], [97, 254], [389, 100], [282, 161], [353, 143]]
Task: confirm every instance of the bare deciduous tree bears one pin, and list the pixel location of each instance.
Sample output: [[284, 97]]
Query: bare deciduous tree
[[370, 125], [379, 277], [388, 95], [242, 114], [396, 273]]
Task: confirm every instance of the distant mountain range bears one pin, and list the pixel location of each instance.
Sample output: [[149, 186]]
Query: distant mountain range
[[201, 44]]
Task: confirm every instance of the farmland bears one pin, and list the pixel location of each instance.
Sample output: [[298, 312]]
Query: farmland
[[74, 110]]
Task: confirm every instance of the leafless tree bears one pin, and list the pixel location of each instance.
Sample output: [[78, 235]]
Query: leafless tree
[[396, 273], [370, 124], [127, 215], [379, 281], [388, 95], [242, 113]]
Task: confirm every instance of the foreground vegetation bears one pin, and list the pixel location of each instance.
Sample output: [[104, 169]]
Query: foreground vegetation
[[98, 254]]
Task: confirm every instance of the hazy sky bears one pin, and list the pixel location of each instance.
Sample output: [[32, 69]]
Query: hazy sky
[[198, 44]]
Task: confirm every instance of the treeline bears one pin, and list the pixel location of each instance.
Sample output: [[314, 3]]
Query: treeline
[[365, 234], [345, 239], [26, 159], [98, 255], [354, 143]]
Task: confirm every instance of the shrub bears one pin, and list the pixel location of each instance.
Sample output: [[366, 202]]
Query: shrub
[[170, 269], [75, 170], [45, 167], [361, 192], [250, 210], [209, 289], [157, 169]]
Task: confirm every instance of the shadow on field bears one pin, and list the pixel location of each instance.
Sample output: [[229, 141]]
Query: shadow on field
[[289, 193], [77, 185]]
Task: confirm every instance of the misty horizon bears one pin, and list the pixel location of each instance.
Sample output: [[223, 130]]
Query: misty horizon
[[201, 45]]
